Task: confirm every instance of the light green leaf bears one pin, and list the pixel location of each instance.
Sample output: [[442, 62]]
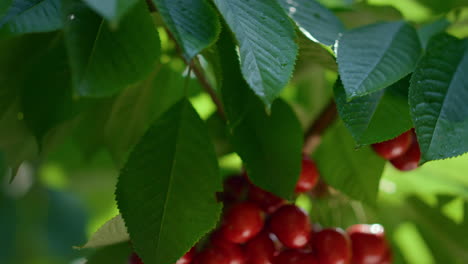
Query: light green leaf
[[166, 191], [266, 44], [112, 10], [376, 117], [438, 96], [314, 20], [270, 145], [115, 254], [104, 61], [373, 57], [194, 23], [112, 232], [355, 172], [31, 16]]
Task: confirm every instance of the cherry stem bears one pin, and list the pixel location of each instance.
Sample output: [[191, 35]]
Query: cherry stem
[[314, 133]]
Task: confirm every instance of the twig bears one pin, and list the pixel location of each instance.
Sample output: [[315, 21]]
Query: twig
[[151, 6], [314, 133]]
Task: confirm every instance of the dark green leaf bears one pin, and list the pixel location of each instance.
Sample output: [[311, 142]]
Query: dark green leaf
[[355, 172], [270, 145], [219, 134], [266, 44], [376, 117], [112, 232], [373, 57], [112, 10], [438, 6], [8, 229], [4, 6], [166, 190], [314, 20], [105, 61], [426, 32], [116, 254], [30, 16], [194, 23], [438, 96]]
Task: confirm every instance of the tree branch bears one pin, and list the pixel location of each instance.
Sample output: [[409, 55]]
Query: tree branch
[[314, 133]]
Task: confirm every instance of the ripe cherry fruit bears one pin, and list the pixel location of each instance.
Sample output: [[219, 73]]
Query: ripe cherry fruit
[[235, 188], [232, 251], [368, 244], [242, 222], [266, 200], [134, 259], [410, 159], [211, 256], [394, 148], [309, 176], [260, 249], [188, 257], [291, 225], [332, 246], [292, 256]]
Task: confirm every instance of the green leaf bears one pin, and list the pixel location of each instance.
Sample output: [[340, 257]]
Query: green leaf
[[112, 232], [115, 254], [112, 10], [314, 20], [270, 145], [426, 32], [9, 229], [438, 96], [373, 57], [376, 117], [194, 24], [266, 44], [4, 6], [104, 61], [355, 172], [166, 190], [31, 16]]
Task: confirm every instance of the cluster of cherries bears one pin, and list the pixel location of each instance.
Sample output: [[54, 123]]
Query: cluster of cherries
[[261, 228], [403, 151]]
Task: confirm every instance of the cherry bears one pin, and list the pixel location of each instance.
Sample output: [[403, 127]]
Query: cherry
[[333, 246], [188, 257], [232, 251], [211, 256], [395, 147], [266, 200], [291, 225], [368, 244], [295, 257], [387, 259], [410, 159], [309, 176], [260, 249], [235, 188], [134, 259], [242, 222]]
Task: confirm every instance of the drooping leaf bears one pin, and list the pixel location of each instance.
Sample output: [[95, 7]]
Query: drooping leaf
[[270, 145], [376, 117], [373, 57], [112, 232], [266, 44], [314, 20], [112, 10], [438, 92], [115, 254], [426, 32], [166, 190], [355, 172], [104, 61], [31, 16], [193, 23]]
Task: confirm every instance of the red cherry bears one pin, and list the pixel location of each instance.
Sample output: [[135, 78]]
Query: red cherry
[[188, 257], [333, 246], [233, 251], [260, 249], [134, 259], [388, 258], [368, 244], [291, 225], [309, 176], [295, 257], [410, 159], [235, 188], [266, 200], [242, 222], [211, 256], [393, 148]]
